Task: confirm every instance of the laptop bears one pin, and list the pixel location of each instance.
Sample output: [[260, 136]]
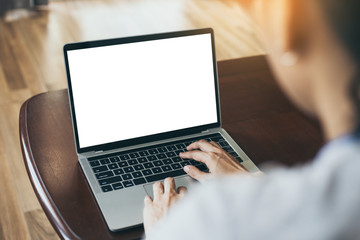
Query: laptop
[[136, 103]]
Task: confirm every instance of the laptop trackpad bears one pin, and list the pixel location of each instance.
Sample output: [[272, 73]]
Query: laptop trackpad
[[185, 181]]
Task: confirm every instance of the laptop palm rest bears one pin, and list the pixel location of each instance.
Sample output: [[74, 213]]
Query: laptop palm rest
[[184, 181]]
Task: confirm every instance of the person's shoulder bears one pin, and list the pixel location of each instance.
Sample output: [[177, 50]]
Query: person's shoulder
[[339, 153]]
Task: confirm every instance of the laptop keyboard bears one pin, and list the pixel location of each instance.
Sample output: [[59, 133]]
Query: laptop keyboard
[[150, 164]]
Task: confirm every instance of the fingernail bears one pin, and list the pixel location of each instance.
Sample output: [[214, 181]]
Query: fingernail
[[186, 168]]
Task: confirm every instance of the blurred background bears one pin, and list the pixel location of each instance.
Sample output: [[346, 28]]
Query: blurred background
[[32, 34]]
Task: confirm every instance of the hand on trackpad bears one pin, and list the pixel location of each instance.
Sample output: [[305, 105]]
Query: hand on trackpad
[[185, 181]]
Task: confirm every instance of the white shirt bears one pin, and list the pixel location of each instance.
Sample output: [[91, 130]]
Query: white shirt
[[318, 201]]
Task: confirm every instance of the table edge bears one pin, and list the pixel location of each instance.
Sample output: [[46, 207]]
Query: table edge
[[46, 202]]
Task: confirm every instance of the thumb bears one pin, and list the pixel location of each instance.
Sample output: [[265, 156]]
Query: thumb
[[195, 173]]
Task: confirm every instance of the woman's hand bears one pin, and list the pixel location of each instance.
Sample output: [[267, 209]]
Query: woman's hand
[[165, 195], [216, 159]]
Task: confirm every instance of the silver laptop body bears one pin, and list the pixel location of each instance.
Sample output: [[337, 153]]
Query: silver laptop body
[[135, 93]]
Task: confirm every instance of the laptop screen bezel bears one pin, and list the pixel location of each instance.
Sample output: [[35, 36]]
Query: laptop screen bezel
[[144, 139]]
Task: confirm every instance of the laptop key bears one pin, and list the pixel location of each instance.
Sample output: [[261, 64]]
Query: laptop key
[[123, 164], [234, 154], [180, 146], [162, 149], [127, 176], [107, 188], [129, 169], [137, 174], [161, 156], [113, 166], [167, 161], [134, 155], [228, 149], [162, 176], [151, 158], [114, 159], [138, 167], [104, 161], [118, 171], [104, 175], [133, 162], [239, 159], [171, 148], [117, 186], [139, 181], [107, 181], [223, 144], [170, 154], [142, 160], [124, 157], [176, 159], [128, 183], [158, 163], [166, 168], [217, 138], [93, 159], [143, 153], [148, 165], [94, 163], [157, 170], [100, 169], [153, 151], [176, 166], [146, 172]]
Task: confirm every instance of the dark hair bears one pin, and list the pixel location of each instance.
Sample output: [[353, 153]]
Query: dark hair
[[344, 18]]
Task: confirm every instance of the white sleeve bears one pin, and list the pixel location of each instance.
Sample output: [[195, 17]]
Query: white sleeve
[[302, 203], [215, 210]]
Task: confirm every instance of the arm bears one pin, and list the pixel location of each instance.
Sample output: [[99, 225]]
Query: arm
[[217, 160]]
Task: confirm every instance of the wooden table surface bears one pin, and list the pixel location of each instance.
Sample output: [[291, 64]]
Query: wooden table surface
[[254, 112]]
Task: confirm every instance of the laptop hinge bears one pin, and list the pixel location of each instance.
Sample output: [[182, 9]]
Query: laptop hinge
[[100, 151], [206, 131]]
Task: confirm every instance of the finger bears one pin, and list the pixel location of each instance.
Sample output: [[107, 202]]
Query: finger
[[147, 200], [219, 147], [203, 145], [215, 144], [181, 191], [195, 173], [169, 185], [158, 190], [196, 155]]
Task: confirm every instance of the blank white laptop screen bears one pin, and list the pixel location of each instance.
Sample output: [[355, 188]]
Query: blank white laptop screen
[[138, 89]]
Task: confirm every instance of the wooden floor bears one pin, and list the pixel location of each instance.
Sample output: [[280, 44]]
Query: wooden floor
[[31, 62]]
